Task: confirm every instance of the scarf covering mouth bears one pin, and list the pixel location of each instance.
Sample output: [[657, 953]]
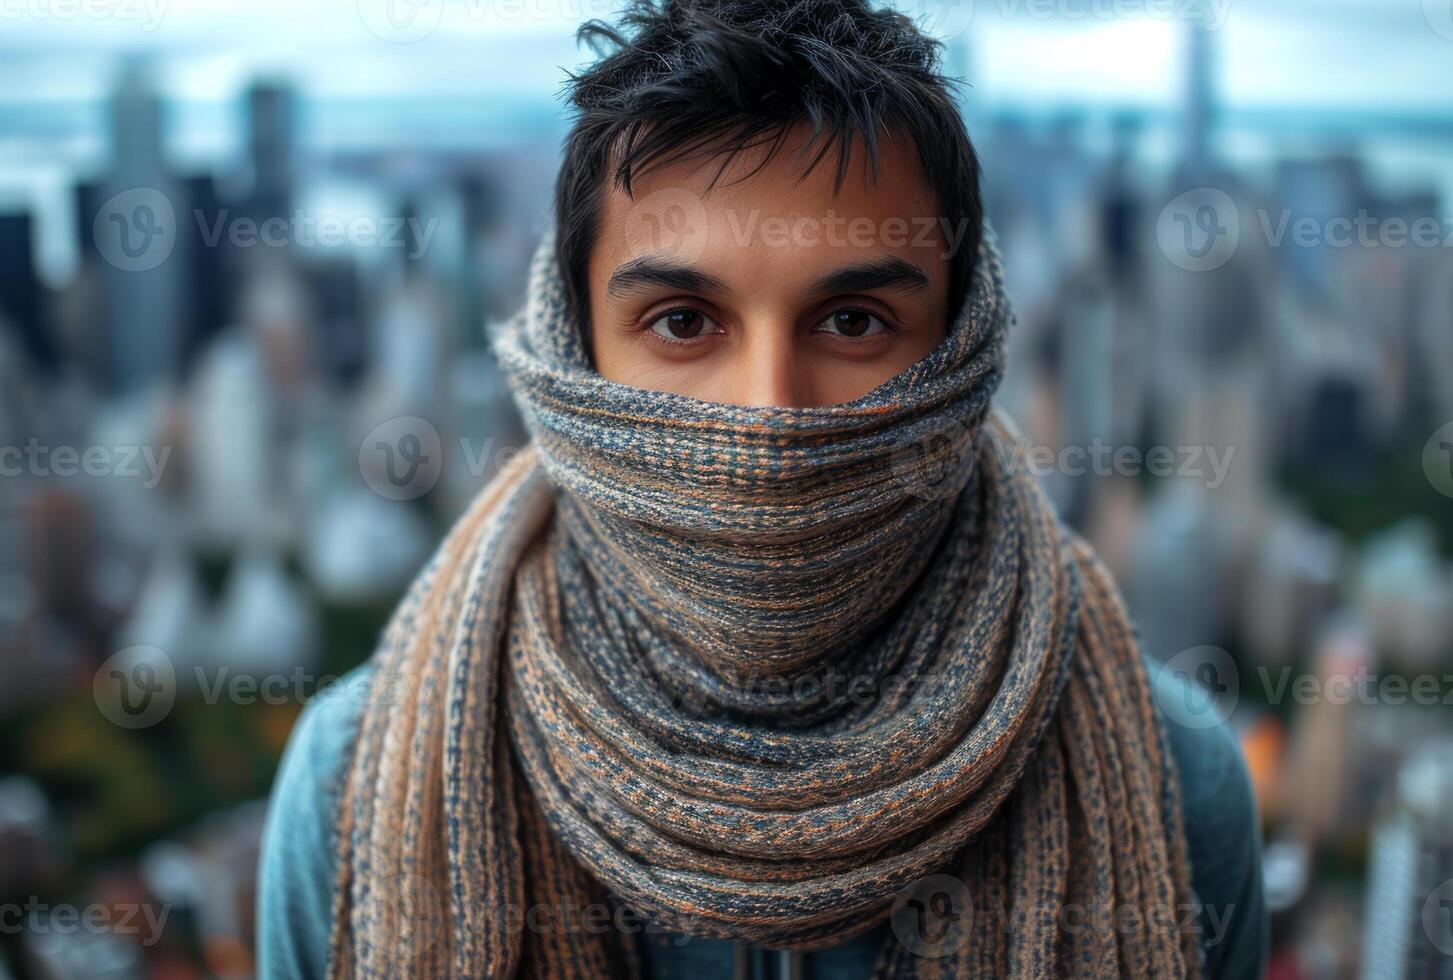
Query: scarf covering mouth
[[760, 674]]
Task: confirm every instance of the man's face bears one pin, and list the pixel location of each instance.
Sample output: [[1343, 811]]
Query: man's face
[[771, 289]]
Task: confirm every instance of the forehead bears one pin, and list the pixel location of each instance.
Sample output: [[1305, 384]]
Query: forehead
[[763, 212]]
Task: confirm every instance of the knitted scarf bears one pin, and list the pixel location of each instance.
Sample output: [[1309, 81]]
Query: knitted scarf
[[771, 675]]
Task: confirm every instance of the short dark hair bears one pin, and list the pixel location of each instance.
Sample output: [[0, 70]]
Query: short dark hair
[[680, 76]]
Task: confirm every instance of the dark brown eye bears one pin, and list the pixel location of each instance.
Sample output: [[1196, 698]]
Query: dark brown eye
[[682, 325], [853, 323]]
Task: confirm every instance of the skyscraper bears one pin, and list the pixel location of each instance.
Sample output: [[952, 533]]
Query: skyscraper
[[1408, 926], [142, 292]]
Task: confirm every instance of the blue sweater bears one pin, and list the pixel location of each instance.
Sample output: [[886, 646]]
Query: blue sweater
[[295, 903]]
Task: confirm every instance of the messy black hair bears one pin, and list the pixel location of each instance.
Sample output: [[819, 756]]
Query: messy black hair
[[678, 77]]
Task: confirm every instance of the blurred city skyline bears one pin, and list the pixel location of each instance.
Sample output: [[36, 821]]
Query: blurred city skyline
[[1359, 77], [1181, 204]]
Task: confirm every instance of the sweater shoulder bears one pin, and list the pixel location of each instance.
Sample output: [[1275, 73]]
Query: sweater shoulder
[[299, 846], [1222, 827]]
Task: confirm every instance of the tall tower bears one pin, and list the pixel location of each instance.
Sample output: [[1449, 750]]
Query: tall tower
[[270, 116], [143, 301], [1408, 932], [1197, 155]]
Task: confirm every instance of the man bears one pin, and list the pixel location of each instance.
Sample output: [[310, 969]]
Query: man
[[765, 658]]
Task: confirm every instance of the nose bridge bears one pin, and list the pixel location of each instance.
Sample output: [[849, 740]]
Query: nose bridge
[[771, 375]]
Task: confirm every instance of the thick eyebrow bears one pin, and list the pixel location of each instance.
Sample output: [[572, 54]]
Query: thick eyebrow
[[645, 271], [888, 272]]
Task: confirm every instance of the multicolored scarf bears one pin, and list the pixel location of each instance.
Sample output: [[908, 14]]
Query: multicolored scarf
[[770, 675]]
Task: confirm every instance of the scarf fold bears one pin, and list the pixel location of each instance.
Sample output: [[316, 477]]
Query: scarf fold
[[769, 675]]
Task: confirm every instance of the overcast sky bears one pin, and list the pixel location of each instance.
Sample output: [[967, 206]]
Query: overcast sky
[[1272, 52]]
